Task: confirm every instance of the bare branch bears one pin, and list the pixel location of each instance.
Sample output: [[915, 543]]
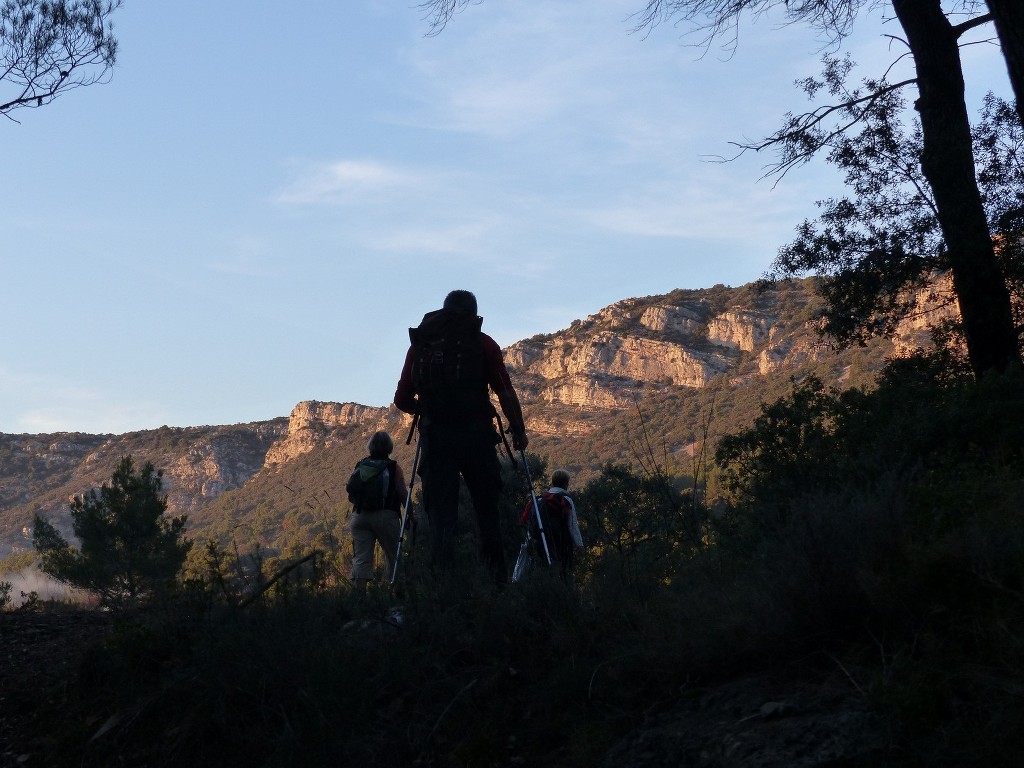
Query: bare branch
[[47, 48], [439, 12], [277, 577], [970, 24], [714, 18], [802, 128]]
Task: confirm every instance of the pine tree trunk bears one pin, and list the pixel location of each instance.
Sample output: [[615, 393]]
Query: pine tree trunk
[[1009, 18], [947, 161]]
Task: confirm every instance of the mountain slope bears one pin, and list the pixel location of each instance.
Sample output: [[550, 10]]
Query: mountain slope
[[644, 379]]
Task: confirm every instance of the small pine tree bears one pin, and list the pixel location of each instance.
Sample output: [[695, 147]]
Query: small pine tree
[[129, 550]]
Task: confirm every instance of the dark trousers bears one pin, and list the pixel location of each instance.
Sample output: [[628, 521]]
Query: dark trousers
[[469, 451]]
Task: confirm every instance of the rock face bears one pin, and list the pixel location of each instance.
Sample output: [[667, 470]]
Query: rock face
[[41, 473], [684, 339], [217, 464], [313, 424], [740, 330], [931, 307], [671, 319], [609, 355]]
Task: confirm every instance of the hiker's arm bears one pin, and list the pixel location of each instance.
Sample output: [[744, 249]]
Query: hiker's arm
[[514, 413], [574, 525], [405, 393], [401, 487], [501, 384]]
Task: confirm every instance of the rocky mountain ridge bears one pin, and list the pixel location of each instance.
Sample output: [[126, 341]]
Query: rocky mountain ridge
[[572, 383]]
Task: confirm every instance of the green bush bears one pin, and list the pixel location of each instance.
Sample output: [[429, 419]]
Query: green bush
[[129, 551], [904, 535]]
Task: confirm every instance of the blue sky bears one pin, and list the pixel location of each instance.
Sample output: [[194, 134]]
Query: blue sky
[[264, 198]]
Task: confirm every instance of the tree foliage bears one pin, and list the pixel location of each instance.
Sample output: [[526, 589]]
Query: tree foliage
[[48, 48], [947, 164], [129, 550], [944, 166], [931, 431], [877, 245], [642, 527]]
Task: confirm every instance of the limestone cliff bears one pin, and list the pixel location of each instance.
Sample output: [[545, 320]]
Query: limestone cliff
[[217, 464], [314, 424], [42, 473], [684, 339]]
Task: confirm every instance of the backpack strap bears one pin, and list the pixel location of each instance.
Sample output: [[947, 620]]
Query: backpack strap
[[558, 500], [392, 501]]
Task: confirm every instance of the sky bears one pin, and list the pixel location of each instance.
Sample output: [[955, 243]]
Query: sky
[[265, 196]]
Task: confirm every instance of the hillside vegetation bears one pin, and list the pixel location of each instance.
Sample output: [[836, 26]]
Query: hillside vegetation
[[814, 566], [600, 391], [871, 558]]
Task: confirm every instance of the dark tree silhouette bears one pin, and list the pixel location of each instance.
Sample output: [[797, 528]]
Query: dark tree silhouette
[[1009, 19], [875, 247], [129, 550], [48, 48], [947, 162]]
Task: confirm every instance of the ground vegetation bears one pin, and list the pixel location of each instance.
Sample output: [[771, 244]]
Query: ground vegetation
[[868, 556]]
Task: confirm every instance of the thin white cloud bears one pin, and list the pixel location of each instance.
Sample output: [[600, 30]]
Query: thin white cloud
[[511, 71], [345, 181], [500, 108], [451, 240], [480, 246], [713, 208]]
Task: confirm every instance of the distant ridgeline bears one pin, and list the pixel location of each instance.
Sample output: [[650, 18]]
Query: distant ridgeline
[[646, 375]]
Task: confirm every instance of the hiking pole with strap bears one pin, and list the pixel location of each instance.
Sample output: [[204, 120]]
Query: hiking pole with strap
[[536, 507], [501, 431], [408, 498]]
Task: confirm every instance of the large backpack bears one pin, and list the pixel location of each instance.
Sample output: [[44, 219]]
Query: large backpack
[[449, 373], [372, 485]]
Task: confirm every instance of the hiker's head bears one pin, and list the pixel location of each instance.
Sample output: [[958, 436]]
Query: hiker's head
[[461, 301], [380, 444], [560, 479]]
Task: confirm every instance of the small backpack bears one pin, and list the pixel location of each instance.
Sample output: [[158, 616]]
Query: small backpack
[[371, 484], [554, 511]]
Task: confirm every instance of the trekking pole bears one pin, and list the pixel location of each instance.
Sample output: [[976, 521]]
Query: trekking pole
[[536, 508], [501, 431], [408, 500], [412, 429]]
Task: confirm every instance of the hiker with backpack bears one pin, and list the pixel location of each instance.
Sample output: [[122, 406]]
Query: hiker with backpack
[[561, 526], [377, 491], [449, 370]]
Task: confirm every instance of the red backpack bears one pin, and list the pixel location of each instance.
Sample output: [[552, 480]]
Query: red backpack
[[554, 507]]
